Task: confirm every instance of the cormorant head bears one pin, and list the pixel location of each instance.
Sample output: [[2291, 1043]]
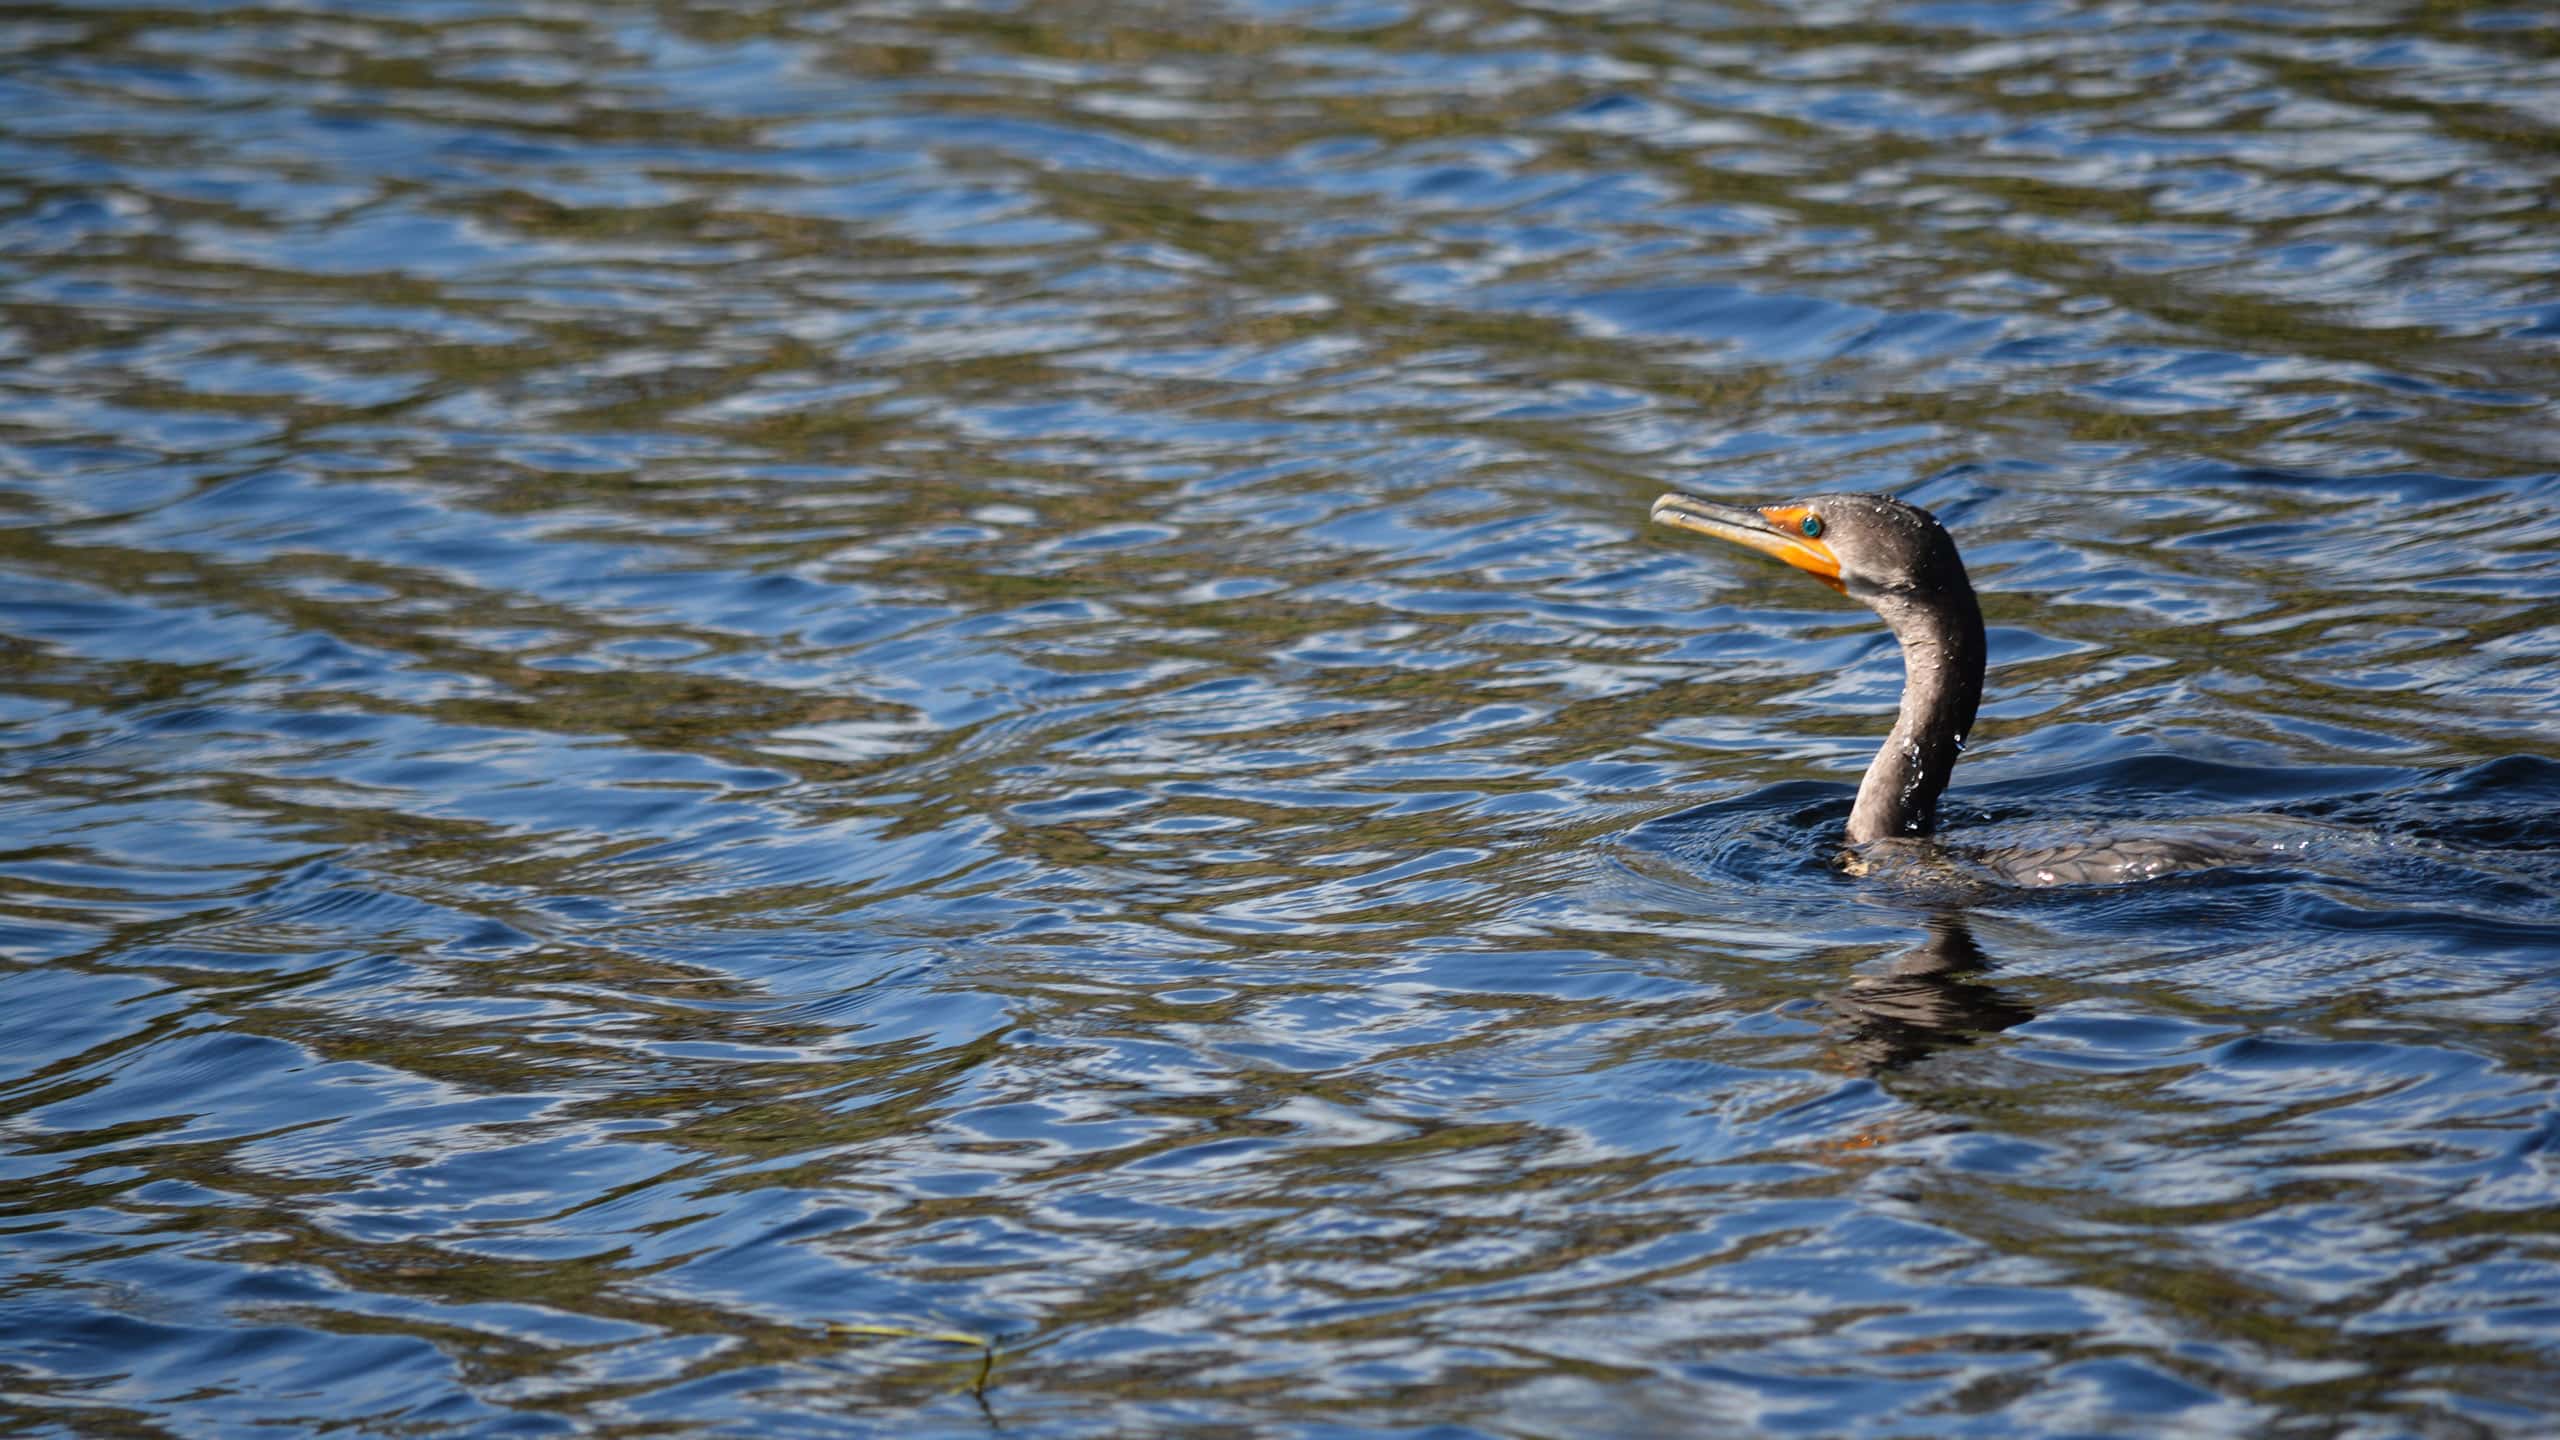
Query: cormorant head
[[1869, 547]]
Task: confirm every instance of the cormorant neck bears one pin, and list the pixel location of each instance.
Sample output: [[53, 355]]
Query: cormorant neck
[[1943, 653]]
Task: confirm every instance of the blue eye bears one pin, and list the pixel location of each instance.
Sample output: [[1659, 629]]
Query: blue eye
[[1813, 527]]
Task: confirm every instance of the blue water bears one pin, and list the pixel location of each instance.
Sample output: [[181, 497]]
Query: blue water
[[900, 718]]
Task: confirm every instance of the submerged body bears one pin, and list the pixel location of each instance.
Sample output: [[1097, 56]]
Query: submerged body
[[2104, 860], [1901, 563]]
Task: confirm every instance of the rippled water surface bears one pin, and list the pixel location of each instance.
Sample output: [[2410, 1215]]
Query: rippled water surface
[[682, 674]]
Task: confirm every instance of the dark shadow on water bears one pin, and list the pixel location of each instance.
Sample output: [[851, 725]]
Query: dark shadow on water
[[1931, 998]]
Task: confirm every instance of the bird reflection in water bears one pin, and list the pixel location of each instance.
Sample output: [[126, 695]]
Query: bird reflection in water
[[1929, 999]]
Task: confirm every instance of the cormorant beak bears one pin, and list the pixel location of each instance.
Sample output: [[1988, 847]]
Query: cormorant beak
[[1772, 530]]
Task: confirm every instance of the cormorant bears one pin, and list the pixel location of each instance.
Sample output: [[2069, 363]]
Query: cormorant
[[1901, 563]]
